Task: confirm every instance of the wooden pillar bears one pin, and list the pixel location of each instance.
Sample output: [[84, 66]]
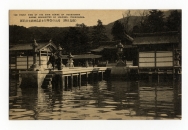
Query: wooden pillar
[[101, 75], [40, 58], [173, 57], [92, 77], [71, 81], [97, 75], [10, 61], [27, 60], [47, 57], [66, 82], [155, 59], [86, 78], [67, 78], [138, 94], [150, 77], [80, 79], [138, 64], [76, 80], [16, 61], [156, 99], [158, 77], [62, 82]]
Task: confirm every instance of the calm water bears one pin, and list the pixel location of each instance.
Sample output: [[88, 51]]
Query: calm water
[[100, 100]]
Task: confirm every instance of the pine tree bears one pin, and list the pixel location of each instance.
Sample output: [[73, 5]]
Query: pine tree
[[174, 21], [117, 31], [98, 33]]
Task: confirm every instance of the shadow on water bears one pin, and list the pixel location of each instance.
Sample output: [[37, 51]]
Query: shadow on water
[[157, 96], [137, 99]]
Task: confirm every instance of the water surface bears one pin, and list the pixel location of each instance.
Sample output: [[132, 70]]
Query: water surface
[[99, 100]]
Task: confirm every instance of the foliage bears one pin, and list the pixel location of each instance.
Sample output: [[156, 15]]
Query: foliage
[[76, 40], [98, 33], [174, 21], [117, 31], [154, 22], [19, 34]]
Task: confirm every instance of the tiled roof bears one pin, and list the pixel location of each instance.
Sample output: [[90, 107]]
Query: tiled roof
[[110, 47], [156, 39], [28, 46], [100, 48]]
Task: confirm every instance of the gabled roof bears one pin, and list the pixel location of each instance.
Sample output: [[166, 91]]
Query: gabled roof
[[28, 46], [101, 48], [156, 38]]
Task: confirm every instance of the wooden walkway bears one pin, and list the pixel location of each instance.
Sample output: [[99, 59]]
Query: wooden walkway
[[77, 70], [65, 77]]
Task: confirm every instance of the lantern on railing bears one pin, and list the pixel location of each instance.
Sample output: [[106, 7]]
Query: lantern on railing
[[120, 54], [70, 60]]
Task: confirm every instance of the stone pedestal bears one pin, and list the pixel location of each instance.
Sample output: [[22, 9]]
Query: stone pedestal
[[119, 71], [120, 63], [32, 78], [70, 63]]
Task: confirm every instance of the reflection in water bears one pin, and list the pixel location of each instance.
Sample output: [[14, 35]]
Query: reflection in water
[[98, 100]]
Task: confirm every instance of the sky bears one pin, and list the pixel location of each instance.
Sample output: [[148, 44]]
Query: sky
[[65, 18]]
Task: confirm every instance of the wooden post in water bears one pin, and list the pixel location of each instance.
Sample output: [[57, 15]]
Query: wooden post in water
[[80, 78], [150, 76], [62, 82], [97, 75], [156, 99], [71, 81], [92, 77], [76, 80], [158, 77], [86, 78], [67, 80], [27, 60], [101, 75]]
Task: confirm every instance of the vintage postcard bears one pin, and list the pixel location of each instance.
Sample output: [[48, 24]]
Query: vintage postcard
[[95, 64]]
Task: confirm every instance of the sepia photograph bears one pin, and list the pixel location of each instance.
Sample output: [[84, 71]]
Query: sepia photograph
[[95, 64]]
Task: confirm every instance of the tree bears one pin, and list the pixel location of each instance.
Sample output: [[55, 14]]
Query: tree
[[174, 21], [98, 33], [76, 39], [117, 31], [154, 22], [84, 38], [19, 34]]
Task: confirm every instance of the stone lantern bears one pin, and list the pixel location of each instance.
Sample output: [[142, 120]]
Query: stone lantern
[[59, 60], [120, 54], [35, 66], [70, 61]]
